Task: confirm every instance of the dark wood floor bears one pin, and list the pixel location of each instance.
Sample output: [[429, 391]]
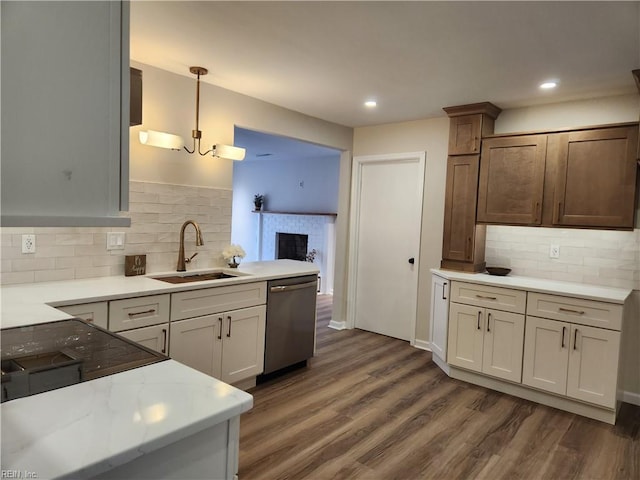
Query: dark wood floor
[[369, 406]]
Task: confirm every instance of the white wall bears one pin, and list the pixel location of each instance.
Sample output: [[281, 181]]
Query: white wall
[[432, 136], [169, 106], [279, 180]]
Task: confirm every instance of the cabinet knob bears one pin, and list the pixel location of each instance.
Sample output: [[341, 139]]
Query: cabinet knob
[[412, 260]]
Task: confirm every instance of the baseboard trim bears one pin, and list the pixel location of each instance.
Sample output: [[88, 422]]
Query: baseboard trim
[[422, 345], [563, 403], [441, 363], [632, 398], [338, 325]]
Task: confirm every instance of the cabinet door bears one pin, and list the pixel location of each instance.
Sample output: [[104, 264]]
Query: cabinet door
[[80, 113], [546, 354], [96, 313], [593, 365], [460, 208], [596, 178], [503, 344], [465, 134], [512, 179], [466, 325], [197, 342], [243, 344], [439, 316], [154, 337]]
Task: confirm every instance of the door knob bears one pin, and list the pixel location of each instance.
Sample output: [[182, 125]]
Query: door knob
[[412, 260]]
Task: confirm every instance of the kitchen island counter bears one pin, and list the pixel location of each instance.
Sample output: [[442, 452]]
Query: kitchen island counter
[[111, 422]]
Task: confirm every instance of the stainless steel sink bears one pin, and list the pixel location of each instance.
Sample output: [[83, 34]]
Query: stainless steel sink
[[197, 277]]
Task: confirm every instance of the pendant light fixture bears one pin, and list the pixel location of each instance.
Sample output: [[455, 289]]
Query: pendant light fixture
[[175, 142]]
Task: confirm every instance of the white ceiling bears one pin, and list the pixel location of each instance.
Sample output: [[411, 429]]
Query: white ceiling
[[325, 58]]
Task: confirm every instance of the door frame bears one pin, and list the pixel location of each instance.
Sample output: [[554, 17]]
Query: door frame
[[356, 190]]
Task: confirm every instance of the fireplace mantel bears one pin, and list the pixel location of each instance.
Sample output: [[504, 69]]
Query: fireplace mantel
[[270, 212]]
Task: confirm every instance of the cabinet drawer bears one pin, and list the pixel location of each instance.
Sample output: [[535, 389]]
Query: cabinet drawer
[[138, 312], [575, 310], [95, 313], [195, 303], [504, 299]]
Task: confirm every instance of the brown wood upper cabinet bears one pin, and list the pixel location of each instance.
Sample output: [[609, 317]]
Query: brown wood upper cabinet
[[596, 178], [459, 241], [511, 180], [466, 132]]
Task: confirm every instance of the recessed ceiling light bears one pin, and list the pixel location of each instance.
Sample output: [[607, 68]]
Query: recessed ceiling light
[[548, 85], [370, 103]]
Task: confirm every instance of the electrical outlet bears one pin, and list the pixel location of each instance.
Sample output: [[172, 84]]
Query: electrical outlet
[[28, 244], [115, 241], [554, 251]]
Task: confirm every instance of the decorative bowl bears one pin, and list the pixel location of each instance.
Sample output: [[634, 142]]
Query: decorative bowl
[[499, 271]]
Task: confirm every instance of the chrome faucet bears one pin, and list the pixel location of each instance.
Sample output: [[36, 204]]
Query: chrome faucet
[[182, 261]]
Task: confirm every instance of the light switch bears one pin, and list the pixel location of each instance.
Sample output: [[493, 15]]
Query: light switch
[[554, 251], [115, 241]]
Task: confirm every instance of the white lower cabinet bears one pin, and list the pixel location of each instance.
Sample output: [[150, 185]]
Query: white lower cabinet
[[486, 340], [574, 360], [439, 316], [96, 313], [155, 337], [227, 345], [558, 350]]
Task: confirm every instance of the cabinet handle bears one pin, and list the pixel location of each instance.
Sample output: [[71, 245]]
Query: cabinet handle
[[486, 298], [444, 287], [229, 332], [559, 211], [220, 334], [475, 144], [164, 341], [564, 329], [537, 208], [469, 248], [488, 322], [568, 310], [135, 314], [575, 339], [479, 313]]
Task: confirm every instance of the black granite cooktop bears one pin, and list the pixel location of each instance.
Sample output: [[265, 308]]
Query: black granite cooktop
[[46, 356]]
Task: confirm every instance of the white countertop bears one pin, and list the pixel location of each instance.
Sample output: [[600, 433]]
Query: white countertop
[[91, 427], [554, 287], [31, 303], [88, 428]]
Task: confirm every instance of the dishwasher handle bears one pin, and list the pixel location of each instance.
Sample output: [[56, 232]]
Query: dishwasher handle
[[295, 286]]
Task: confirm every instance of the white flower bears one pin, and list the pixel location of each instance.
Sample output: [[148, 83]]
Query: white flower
[[233, 251]]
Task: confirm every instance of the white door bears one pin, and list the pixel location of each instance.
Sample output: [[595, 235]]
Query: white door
[[385, 226]]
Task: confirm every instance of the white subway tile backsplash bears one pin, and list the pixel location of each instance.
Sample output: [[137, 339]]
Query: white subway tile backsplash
[[54, 275], [157, 212], [17, 277], [598, 257]]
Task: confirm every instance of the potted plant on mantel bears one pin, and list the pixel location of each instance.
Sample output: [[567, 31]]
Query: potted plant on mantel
[[258, 201]]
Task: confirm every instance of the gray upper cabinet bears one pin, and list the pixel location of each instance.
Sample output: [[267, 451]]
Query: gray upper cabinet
[[65, 113]]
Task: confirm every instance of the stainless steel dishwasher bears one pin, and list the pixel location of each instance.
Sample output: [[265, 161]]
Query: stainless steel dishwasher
[[291, 322]]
